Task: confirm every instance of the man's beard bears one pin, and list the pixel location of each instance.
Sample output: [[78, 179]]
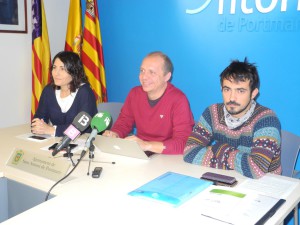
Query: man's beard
[[232, 112]]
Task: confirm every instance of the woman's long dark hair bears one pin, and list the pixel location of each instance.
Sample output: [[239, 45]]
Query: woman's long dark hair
[[73, 66]]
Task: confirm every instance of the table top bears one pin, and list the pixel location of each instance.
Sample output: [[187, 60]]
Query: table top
[[83, 199]]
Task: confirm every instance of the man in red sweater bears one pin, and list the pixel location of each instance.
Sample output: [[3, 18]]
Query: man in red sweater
[[160, 112]]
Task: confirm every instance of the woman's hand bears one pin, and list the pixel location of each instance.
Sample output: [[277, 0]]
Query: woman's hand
[[38, 126]]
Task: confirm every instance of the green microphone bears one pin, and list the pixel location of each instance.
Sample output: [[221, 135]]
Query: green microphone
[[101, 121]]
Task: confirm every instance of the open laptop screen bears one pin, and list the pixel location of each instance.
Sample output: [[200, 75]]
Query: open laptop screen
[[120, 146]]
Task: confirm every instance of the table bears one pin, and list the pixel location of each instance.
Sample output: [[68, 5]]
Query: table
[[82, 199]]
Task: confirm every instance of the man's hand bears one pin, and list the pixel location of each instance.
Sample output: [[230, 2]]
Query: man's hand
[[146, 146], [109, 133]]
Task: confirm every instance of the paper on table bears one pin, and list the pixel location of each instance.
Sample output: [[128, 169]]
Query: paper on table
[[234, 207], [27, 137], [269, 185]]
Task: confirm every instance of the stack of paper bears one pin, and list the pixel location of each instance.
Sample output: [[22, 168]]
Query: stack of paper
[[232, 207]]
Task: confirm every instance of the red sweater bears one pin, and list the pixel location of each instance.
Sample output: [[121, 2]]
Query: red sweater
[[169, 121]]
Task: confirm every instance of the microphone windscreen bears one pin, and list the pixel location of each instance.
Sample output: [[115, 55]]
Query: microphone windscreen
[[72, 132], [82, 121], [79, 124], [101, 121]]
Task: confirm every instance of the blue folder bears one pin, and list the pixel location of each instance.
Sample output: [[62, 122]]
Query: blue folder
[[172, 188]]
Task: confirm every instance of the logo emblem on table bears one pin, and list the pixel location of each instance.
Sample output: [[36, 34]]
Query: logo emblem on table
[[18, 156]]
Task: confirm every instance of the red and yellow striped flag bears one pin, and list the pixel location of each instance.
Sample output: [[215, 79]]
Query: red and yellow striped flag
[[91, 53], [74, 28], [41, 58]]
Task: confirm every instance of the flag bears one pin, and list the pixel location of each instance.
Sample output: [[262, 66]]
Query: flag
[[74, 28], [40, 56], [91, 53]]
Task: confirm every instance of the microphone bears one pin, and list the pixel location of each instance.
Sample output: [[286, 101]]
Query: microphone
[[99, 123], [79, 124]]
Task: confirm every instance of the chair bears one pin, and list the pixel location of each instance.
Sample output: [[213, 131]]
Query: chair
[[290, 146], [113, 108]]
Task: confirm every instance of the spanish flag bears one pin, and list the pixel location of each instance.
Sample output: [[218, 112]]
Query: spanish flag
[[91, 53], [40, 57], [74, 29]]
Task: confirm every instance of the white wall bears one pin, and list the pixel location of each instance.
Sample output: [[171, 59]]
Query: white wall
[[15, 58]]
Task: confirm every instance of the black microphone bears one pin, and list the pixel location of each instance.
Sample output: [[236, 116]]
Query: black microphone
[[99, 123], [79, 124]]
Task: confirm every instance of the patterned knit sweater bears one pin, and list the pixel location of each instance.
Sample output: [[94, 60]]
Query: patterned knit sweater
[[252, 149]]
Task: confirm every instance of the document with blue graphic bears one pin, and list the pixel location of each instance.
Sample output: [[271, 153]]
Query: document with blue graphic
[[171, 188]]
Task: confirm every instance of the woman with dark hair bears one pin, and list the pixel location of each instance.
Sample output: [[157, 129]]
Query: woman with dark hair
[[68, 93]]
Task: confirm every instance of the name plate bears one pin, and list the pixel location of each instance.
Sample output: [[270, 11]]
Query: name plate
[[38, 164]]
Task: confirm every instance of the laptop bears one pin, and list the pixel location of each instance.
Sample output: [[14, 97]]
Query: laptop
[[120, 146]]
